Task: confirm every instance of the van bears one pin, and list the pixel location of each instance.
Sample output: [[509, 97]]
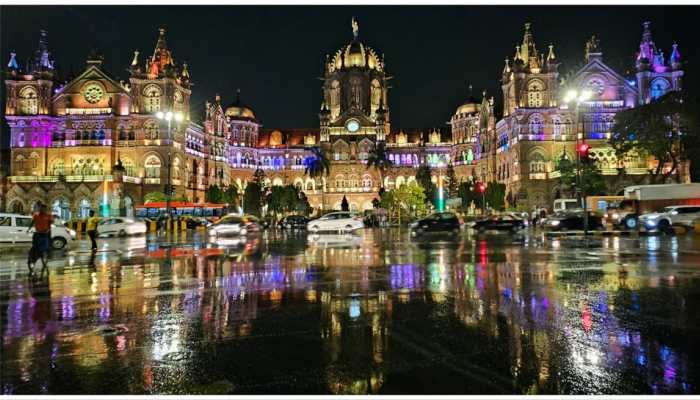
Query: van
[[561, 205], [13, 229]]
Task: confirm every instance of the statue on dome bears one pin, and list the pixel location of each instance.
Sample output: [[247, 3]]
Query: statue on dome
[[355, 27]]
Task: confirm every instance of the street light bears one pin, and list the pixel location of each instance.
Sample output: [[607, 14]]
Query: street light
[[576, 97], [169, 116]]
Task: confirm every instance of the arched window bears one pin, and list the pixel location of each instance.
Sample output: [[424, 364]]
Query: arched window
[[366, 181], [557, 125], [339, 181], [535, 94], [20, 163], [151, 98], [152, 129], [536, 125], [28, 102], [128, 165], [58, 168], [152, 165], [537, 164]]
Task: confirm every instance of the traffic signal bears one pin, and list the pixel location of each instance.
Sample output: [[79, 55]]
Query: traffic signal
[[582, 150], [481, 187]]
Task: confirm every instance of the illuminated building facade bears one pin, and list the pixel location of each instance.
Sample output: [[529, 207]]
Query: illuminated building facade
[[538, 129], [67, 138]]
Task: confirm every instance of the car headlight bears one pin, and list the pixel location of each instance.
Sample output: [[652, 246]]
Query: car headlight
[[554, 222], [413, 224], [72, 233], [616, 216]]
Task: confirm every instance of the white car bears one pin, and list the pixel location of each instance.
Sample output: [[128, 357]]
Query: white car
[[13, 229], [670, 216], [336, 221], [121, 226], [234, 224]]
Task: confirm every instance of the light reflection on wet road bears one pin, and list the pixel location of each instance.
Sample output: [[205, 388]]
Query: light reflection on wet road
[[377, 312]]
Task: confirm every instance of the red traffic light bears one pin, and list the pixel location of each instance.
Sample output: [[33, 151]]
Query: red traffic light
[[481, 187], [583, 149]]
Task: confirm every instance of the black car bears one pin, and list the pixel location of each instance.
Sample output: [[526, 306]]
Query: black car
[[294, 222], [504, 222], [573, 221], [438, 222]]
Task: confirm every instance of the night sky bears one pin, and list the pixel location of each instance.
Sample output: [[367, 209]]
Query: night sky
[[275, 54]]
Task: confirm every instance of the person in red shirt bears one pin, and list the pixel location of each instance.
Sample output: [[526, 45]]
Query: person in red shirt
[[41, 221]]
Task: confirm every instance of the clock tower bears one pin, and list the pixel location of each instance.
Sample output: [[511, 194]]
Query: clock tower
[[354, 89]]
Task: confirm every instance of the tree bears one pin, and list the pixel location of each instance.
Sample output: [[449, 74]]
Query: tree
[[259, 179], [466, 193], [154, 197], [592, 181], [318, 166], [424, 179], [379, 159], [214, 194], [231, 196], [666, 129], [496, 195], [344, 206], [252, 199], [407, 200], [452, 182]]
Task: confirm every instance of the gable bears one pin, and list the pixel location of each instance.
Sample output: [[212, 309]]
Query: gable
[[92, 73], [595, 72]]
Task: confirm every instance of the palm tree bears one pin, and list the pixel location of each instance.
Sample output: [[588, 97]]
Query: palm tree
[[379, 159], [318, 166]]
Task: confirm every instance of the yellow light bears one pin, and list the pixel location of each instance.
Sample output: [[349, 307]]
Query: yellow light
[[585, 95], [570, 95], [168, 115], [179, 116], [160, 115]]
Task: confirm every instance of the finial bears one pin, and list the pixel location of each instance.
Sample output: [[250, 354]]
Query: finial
[[355, 28], [161, 30], [135, 61], [551, 56], [185, 72], [13, 61]]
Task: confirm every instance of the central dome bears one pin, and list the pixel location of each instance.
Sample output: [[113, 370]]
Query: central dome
[[238, 110], [356, 54]]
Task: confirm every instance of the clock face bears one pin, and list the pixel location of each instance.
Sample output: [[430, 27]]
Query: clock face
[[93, 92], [352, 126], [597, 86]]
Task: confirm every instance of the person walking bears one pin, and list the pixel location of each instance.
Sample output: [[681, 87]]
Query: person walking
[[41, 221], [92, 229]]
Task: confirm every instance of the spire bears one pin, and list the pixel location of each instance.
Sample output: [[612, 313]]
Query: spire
[[517, 53], [14, 66], [185, 72], [675, 59], [161, 43], [135, 61], [355, 28], [41, 63], [550, 56], [528, 49], [647, 49], [506, 68]]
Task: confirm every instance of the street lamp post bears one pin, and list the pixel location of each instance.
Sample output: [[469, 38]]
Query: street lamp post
[[169, 116], [576, 97]]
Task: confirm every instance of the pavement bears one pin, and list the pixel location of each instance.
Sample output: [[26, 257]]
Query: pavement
[[376, 312]]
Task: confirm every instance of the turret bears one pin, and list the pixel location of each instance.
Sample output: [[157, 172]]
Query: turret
[[675, 59]]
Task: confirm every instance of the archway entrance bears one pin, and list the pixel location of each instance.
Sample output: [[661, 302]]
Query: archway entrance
[[84, 208], [61, 208]]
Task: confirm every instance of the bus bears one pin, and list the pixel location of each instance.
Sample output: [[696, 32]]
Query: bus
[[157, 209]]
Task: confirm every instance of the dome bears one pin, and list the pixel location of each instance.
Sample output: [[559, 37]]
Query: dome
[[471, 106], [355, 54], [239, 110]]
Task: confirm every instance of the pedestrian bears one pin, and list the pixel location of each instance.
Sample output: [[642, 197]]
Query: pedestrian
[[41, 221], [92, 229]]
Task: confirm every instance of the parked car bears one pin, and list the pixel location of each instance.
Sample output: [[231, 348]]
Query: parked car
[[234, 224], [336, 221], [437, 222], [504, 222], [13, 229], [564, 221], [294, 222], [121, 226], [668, 217]]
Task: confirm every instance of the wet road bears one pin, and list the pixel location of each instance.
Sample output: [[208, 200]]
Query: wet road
[[378, 312]]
